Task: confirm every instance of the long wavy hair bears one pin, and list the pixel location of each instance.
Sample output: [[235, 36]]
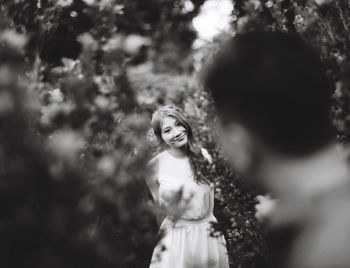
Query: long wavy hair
[[198, 162]]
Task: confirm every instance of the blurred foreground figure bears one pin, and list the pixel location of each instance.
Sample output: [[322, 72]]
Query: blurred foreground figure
[[273, 99]]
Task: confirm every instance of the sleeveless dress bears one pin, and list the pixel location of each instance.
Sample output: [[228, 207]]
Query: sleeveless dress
[[186, 242]]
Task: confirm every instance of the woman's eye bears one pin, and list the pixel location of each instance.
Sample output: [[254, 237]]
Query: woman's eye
[[166, 131], [178, 124]]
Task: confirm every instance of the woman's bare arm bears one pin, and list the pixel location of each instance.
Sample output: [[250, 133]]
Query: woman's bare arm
[[152, 180]]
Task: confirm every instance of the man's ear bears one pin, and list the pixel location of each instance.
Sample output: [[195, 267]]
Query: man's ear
[[239, 144]]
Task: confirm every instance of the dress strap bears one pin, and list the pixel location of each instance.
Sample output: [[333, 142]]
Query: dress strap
[[207, 155]]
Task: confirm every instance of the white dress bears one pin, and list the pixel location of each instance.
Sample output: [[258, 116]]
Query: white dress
[[187, 242]]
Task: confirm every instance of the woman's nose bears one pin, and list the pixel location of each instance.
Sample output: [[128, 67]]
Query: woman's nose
[[177, 132]]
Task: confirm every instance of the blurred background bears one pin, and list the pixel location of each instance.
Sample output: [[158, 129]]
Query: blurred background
[[79, 80]]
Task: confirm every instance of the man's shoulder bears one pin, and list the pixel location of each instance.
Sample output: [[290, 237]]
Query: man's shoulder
[[325, 241]]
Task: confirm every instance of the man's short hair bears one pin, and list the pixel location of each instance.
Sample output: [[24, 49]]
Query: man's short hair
[[273, 83]]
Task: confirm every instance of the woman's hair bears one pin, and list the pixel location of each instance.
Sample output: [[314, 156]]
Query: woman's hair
[[196, 158]]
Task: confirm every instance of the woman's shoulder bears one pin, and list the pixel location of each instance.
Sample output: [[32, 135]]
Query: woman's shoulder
[[153, 161], [156, 159], [153, 165]]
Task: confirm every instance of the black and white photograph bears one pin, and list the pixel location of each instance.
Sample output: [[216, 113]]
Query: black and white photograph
[[174, 133]]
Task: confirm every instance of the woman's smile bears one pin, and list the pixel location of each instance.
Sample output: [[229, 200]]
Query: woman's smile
[[180, 138]]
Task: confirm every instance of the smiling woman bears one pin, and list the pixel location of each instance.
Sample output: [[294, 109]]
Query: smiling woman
[[178, 185], [174, 134]]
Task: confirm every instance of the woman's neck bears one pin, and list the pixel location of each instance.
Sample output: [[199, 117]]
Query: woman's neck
[[177, 152]]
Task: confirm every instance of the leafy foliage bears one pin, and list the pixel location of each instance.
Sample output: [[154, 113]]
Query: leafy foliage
[[73, 191], [54, 26]]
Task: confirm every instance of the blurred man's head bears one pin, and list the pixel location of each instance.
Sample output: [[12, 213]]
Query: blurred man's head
[[272, 87]]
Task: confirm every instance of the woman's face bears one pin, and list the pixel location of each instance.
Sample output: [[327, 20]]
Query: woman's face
[[173, 132]]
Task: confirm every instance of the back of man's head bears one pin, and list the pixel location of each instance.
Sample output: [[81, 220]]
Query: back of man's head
[[275, 85]]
